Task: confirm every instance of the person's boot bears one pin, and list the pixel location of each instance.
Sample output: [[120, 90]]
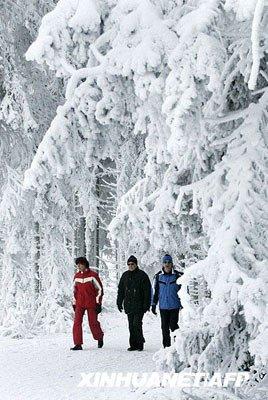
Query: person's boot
[[100, 343], [166, 342], [131, 349], [77, 347], [140, 348]]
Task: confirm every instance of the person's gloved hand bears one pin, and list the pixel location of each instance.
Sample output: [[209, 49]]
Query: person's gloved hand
[[154, 310], [98, 308], [120, 308], [74, 307]]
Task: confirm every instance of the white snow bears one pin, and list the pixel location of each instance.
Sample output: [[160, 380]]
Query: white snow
[[43, 367], [160, 145]]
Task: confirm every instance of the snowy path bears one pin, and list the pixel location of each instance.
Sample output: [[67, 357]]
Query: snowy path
[[43, 368]]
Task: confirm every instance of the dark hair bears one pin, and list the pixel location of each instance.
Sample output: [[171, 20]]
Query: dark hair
[[83, 261]]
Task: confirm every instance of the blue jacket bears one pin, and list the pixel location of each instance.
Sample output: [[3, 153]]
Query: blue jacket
[[165, 290]]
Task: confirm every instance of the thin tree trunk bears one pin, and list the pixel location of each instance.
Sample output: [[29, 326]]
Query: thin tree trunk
[[37, 281], [80, 229], [97, 234]]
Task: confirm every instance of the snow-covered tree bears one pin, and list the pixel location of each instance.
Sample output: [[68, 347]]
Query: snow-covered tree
[[228, 180], [79, 150], [24, 97], [17, 274], [165, 123]]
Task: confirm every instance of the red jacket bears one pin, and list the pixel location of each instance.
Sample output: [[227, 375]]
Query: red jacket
[[88, 290]]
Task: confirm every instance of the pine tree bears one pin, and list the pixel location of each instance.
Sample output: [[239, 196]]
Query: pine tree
[[165, 115], [24, 96], [229, 196]]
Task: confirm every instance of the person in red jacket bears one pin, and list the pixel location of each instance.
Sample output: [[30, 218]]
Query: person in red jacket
[[88, 293]]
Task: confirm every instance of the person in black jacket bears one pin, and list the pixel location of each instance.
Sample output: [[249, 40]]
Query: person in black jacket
[[134, 295]]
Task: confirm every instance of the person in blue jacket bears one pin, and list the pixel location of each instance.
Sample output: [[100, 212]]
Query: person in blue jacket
[[165, 291]]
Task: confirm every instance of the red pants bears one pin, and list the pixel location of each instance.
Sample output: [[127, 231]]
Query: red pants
[[94, 324]]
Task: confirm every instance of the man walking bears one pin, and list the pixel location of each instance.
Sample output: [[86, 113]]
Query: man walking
[[134, 295], [88, 292], [165, 290]]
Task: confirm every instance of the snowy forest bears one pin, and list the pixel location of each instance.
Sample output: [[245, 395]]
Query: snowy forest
[[138, 127]]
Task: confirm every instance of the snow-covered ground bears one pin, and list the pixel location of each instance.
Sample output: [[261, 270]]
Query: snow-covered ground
[[43, 368]]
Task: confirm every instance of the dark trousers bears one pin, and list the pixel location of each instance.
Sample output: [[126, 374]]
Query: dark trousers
[[136, 338], [169, 321]]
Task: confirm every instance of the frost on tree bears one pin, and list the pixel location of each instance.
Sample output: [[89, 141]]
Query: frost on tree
[[210, 200], [166, 107], [91, 135], [228, 192], [26, 104]]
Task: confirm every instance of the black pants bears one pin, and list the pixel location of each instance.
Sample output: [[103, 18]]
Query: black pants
[[169, 321], [136, 338]]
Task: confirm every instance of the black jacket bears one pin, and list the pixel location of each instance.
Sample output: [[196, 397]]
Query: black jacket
[[134, 291]]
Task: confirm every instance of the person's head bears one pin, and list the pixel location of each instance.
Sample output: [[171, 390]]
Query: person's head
[[132, 263], [167, 263], [82, 263]]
